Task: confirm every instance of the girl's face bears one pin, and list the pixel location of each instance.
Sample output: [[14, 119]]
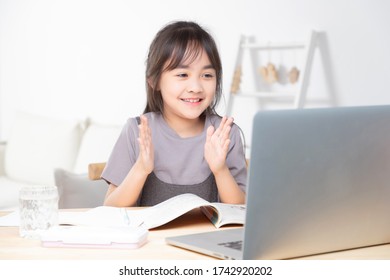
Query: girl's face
[[189, 89]]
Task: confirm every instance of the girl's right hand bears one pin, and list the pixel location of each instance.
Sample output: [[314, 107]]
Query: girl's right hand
[[145, 159]]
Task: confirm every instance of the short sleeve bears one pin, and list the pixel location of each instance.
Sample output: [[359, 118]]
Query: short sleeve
[[123, 155]]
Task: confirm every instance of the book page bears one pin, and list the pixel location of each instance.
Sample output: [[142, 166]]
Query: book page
[[156, 215], [166, 211], [10, 220], [222, 214]]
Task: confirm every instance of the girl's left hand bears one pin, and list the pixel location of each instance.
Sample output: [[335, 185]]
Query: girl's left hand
[[217, 145]]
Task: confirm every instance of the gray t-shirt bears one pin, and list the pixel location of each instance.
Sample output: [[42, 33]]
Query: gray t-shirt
[[177, 160]]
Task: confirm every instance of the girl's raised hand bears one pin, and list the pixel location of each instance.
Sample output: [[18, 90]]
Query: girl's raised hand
[[217, 144], [146, 156]]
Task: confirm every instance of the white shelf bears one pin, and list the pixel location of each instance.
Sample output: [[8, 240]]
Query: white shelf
[[296, 98], [273, 46]]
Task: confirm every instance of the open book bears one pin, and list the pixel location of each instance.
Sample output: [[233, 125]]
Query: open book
[[219, 213]]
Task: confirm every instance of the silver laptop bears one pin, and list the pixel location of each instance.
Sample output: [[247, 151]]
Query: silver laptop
[[319, 181]]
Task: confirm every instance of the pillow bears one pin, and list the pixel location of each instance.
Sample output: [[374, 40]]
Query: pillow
[[77, 191], [96, 145], [38, 144]]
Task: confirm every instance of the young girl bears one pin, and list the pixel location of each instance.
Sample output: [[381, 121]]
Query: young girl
[[180, 145]]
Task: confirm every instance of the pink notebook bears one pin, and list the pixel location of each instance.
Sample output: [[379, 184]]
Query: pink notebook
[[95, 237]]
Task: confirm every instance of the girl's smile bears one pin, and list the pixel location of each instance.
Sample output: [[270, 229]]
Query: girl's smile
[[187, 91], [192, 100]]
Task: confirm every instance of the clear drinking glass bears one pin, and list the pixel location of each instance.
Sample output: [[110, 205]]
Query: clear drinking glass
[[38, 208]]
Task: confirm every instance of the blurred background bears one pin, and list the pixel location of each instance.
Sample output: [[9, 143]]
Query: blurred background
[[86, 58]]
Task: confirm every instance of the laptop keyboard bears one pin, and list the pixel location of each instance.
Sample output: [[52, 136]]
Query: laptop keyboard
[[237, 245]]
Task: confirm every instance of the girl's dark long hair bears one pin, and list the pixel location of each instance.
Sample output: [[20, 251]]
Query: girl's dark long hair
[[177, 42]]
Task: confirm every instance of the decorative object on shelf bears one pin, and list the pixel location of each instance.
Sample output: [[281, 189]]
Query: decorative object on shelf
[[236, 80], [290, 84], [269, 73], [293, 75]]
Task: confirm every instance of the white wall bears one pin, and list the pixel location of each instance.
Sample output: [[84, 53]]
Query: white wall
[[353, 58], [82, 58], [86, 58]]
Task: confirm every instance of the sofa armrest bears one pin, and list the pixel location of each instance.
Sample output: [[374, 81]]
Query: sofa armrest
[[2, 157]]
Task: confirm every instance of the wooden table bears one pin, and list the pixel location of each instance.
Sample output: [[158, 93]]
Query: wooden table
[[13, 247]]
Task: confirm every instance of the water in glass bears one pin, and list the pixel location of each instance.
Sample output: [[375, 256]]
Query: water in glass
[[38, 207]]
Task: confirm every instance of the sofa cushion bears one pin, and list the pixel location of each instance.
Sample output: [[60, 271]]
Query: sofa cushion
[[37, 145], [96, 145], [77, 191]]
